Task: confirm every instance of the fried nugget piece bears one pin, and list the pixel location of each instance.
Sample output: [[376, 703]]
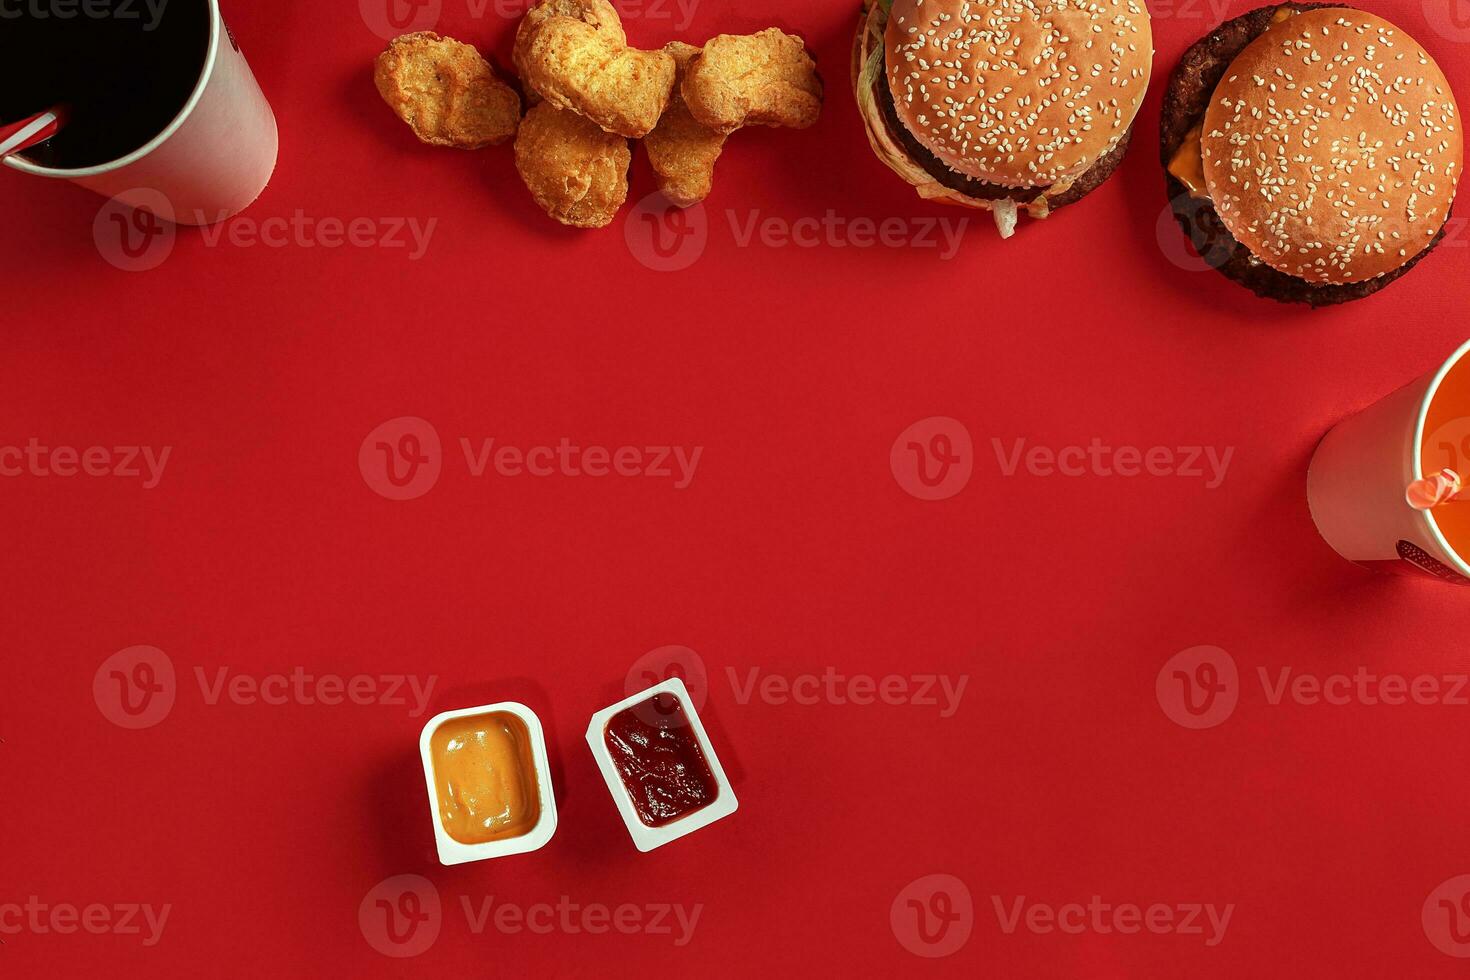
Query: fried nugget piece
[[575, 170], [446, 92], [583, 63], [683, 152], [764, 79], [600, 15]]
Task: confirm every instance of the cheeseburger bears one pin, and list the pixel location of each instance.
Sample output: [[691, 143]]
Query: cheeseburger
[[1003, 105], [1312, 151]]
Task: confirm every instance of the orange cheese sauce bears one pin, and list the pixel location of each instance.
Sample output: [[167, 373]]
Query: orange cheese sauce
[[1188, 165], [485, 778]]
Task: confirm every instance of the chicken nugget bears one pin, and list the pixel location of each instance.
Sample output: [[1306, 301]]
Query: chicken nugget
[[683, 152], [446, 92], [764, 79], [584, 64], [598, 14], [576, 171]]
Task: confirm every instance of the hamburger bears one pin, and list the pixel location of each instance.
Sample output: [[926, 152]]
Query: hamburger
[[1312, 151], [1002, 105]]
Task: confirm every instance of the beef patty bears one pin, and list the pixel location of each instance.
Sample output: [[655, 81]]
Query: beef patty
[[1185, 102]]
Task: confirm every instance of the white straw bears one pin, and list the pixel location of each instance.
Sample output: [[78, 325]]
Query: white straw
[[19, 139]]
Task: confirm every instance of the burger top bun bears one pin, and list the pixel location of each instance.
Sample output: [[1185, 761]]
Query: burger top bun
[[1332, 147], [1020, 93]]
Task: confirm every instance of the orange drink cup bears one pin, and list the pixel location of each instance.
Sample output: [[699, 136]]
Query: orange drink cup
[[1360, 472]]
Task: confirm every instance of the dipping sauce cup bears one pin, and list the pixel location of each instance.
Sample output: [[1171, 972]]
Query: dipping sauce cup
[[489, 782], [656, 758]]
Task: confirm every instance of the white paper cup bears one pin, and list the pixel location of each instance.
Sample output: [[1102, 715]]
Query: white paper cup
[[1357, 479], [213, 159]]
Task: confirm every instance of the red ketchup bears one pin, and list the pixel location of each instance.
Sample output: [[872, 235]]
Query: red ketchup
[[658, 756]]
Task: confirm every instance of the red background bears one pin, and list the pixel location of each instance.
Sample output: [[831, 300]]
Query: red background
[[794, 549]]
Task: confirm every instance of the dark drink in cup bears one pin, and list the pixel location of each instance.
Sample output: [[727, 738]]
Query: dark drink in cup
[[125, 70], [161, 110]]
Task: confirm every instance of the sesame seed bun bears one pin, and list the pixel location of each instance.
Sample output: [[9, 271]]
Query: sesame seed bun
[[1018, 93], [1332, 147]]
